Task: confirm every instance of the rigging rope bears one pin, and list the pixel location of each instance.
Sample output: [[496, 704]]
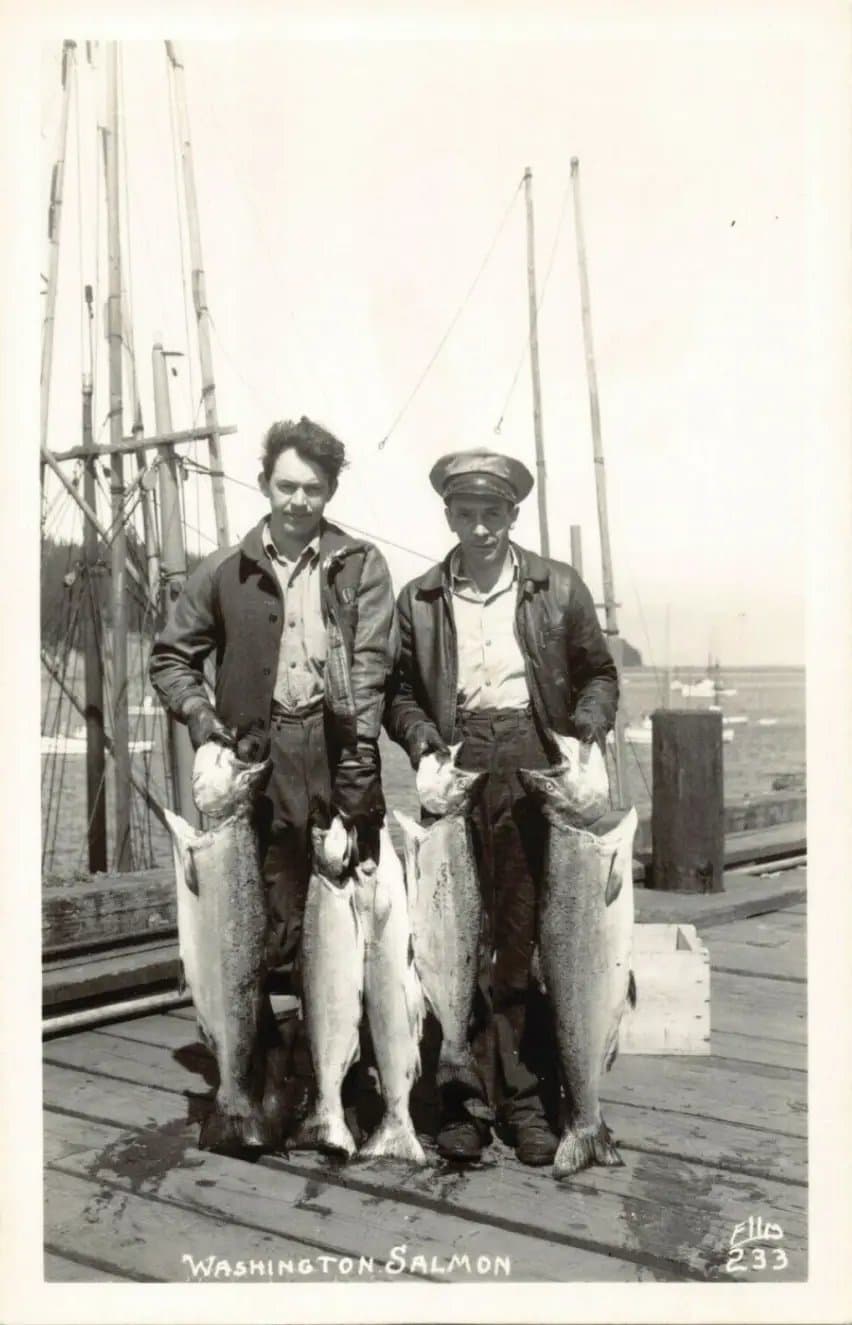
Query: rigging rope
[[365, 533], [442, 342], [540, 305]]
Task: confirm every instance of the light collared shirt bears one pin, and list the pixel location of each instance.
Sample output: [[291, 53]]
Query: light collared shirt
[[301, 659], [491, 666]]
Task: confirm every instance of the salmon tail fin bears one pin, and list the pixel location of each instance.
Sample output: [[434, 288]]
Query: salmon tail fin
[[327, 1131], [580, 1149], [234, 1133], [631, 990], [394, 1138], [457, 1068]]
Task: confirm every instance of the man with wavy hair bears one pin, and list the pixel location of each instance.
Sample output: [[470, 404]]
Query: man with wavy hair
[[299, 617]]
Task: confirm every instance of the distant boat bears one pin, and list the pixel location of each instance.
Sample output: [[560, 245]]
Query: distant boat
[[641, 733], [728, 719], [706, 688]]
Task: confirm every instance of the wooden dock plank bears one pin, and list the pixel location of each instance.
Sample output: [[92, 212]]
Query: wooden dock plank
[[94, 975], [710, 1088], [696, 1086], [141, 1237], [760, 1152], [773, 1008], [607, 1208], [329, 1215], [744, 896], [751, 1049], [59, 1270], [109, 908], [780, 961], [674, 1210]]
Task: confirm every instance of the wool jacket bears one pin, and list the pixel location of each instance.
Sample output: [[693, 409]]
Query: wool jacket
[[231, 607], [569, 669]]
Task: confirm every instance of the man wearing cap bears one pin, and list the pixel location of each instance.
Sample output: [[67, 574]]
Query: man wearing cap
[[499, 646]]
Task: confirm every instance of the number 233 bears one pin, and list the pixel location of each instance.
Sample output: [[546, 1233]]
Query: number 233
[[776, 1259]]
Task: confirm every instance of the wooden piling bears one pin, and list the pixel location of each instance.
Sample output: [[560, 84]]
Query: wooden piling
[[687, 813]]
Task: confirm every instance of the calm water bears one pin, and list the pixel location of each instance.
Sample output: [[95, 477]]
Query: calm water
[[756, 755]]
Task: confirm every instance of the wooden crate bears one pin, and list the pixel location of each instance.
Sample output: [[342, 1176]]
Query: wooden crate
[[672, 1014]]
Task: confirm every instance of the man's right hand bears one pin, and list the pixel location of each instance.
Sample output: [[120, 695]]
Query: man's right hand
[[204, 724], [428, 740]]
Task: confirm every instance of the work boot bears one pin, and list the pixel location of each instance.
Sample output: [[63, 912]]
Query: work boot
[[461, 1139], [529, 1132]]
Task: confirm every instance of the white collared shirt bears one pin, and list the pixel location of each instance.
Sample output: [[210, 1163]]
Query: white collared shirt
[[492, 674], [301, 658]]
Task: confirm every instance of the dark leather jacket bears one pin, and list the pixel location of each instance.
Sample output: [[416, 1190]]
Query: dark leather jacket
[[231, 606], [570, 671]]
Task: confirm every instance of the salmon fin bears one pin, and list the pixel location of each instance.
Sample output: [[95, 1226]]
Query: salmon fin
[[324, 1131], [579, 1150], [233, 1133], [631, 990], [614, 880], [394, 1138], [184, 837]]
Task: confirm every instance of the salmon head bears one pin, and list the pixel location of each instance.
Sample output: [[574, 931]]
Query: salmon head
[[333, 849], [221, 783], [576, 790], [443, 787]]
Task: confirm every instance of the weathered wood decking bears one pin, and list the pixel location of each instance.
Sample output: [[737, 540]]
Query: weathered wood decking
[[709, 1143]]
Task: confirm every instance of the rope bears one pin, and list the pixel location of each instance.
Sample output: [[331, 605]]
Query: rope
[[365, 533], [526, 347], [442, 342]]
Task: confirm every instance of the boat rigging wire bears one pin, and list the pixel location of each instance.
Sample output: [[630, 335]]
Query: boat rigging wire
[[365, 533], [442, 342], [540, 305]]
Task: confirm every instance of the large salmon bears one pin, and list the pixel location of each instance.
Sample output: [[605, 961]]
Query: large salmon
[[333, 984], [445, 906], [585, 932], [222, 921], [394, 999]]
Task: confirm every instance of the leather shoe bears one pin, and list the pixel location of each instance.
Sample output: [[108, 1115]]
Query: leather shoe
[[462, 1139], [535, 1143]]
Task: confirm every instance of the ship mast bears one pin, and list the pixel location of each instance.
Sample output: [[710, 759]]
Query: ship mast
[[54, 225], [615, 641], [199, 299], [541, 473], [120, 734]]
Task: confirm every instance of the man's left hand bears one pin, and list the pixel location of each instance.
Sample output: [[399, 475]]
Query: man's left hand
[[591, 731], [357, 794]]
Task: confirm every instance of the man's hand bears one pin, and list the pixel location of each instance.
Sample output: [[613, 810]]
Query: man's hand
[[592, 731], [427, 740], [204, 724], [356, 794]]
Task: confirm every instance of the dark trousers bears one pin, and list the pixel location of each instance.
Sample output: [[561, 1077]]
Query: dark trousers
[[513, 1038], [304, 755]]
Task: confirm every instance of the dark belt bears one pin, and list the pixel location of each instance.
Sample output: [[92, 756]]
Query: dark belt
[[280, 715], [495, 718]]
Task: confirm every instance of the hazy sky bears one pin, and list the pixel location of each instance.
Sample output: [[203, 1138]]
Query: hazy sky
[[349, 191]]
